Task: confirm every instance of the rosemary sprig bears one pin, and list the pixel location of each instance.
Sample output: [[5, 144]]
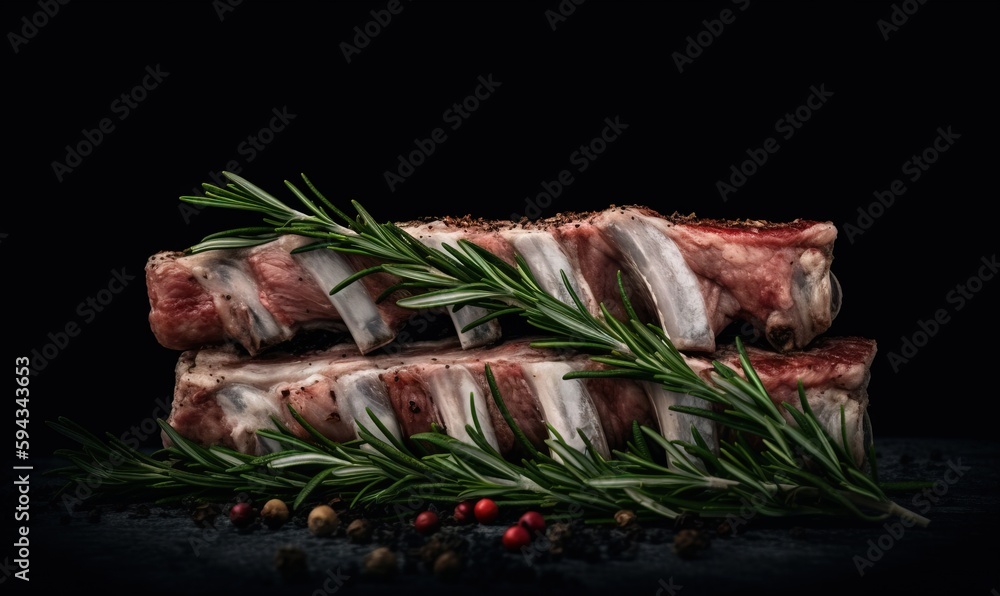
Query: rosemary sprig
[[801, 469], [386, 476]]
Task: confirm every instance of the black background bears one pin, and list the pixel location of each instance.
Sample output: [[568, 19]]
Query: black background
[[228, 69], [352, 120]]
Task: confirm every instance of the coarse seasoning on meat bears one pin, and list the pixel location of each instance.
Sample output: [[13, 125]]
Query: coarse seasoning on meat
[[692, 277], [222, 396]]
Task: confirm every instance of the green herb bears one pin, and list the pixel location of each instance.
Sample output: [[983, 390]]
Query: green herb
[[799, 470]]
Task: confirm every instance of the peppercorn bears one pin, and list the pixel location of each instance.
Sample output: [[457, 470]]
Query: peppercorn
[[274, 513], [533, 521], [242, 514], [380, 562], [438, 544], [426, 522], [486, 510], [559, 534], [339, 505], [204, 514], [323, 520], [625, 518], [516, 537], [688, 542], [360, 531], [447, 565], [464, 512], [290, 561]]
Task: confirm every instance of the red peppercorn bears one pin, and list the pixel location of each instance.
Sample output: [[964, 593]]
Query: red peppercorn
[[516, 537], [464, 512], [427, 522], [242, 515], [486, 511], [533, 522]]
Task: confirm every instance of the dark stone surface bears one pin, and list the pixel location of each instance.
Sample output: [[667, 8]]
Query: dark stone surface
[[144, 548]]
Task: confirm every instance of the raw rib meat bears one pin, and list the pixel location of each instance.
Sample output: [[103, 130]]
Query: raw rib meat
[[263, 296], [222, 397], [692, 277]]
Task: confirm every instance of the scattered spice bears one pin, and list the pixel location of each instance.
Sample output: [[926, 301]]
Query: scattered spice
[[516, 537], [290, 561], [559, 535], [486, 511], [274, 513], [448, 565], [323, 520], [464, 512], [380, 562], [724, 529], [427, 522], [625, 518], [533, 521], [688, 542], [204, 514], [242, 514], [360, 531], [439, 544]]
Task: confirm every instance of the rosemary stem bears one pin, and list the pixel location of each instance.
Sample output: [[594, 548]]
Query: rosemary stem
[[890, 508]]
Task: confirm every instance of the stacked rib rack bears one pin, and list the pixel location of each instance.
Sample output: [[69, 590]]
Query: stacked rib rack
[[233, 312]]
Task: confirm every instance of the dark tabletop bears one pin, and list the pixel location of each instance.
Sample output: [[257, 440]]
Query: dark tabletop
[[136, 547]]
